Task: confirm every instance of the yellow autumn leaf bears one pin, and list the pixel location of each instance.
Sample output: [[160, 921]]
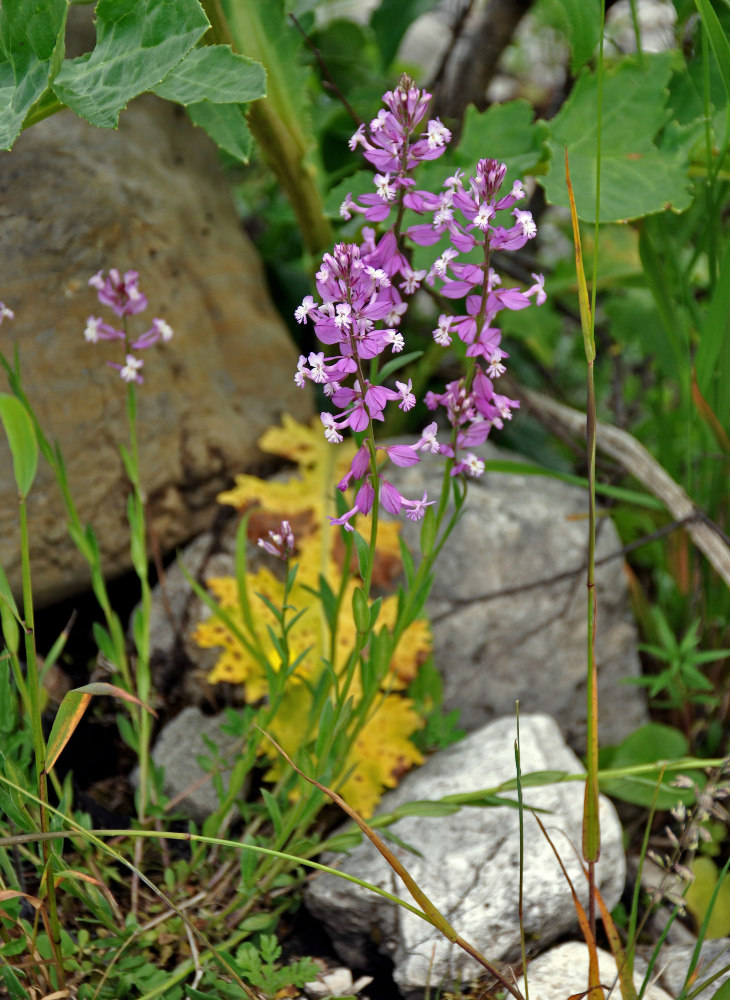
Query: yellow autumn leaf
[[382, 750], [381, 753]]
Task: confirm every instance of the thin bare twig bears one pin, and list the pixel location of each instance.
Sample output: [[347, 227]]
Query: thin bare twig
[[635, 459], [328, 82]]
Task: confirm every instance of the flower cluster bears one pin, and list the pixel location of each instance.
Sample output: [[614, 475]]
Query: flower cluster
[[363, 291], [390, 148], [123, 296], [279, 543], [469, 217]]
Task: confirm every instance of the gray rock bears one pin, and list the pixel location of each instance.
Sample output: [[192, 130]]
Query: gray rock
[[508, 606], [563, 971], [469, 863], [674, 962], [149, 196], [177, 749]]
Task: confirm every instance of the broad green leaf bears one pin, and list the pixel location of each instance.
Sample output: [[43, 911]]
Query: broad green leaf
[[506, 132], [649, 743], [262, 32], [391, 20], [22, 440], [355, 184], [637, 178], [225, 124], [31, 45], [708, 898], [213, 73], [138, 42], [581, 22]]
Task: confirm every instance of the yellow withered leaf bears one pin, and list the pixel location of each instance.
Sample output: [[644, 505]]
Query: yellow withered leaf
[[382, 750]]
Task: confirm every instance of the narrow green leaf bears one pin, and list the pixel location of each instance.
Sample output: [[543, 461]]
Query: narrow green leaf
[[718, 39], [22, 440], [9, 615], [363, 552], [428, 531], [360, 611], [138, 43], [395, 364], [272, 807], [31, 46], [216, 74]]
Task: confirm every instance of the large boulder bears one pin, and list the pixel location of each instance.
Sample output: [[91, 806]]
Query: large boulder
[[509, 606], [150, 197], [469, 862]]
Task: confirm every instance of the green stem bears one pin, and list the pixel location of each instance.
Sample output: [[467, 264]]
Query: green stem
[[39, 745]]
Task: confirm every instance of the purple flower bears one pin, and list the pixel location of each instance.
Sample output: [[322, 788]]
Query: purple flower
[[160, 330], [395, 145], [122, 295], [5, 313], [280, 543], [130, 370], [119, 292]]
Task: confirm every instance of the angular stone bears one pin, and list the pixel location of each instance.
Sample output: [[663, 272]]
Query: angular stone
[[150, 196], [563, 971], [674, 962], [177, 748], [508, 605], [469, 864]]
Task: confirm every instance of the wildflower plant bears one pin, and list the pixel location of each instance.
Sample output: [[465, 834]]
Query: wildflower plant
[[363, 292]]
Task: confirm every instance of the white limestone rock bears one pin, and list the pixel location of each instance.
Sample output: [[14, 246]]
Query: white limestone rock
[[563, 971], [469, 863], [508, 605]]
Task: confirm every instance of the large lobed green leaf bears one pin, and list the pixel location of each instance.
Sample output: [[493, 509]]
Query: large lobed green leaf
[[506, 132], [216, 74], [31, 47], [138, 43], [226, 125], [637, 178]]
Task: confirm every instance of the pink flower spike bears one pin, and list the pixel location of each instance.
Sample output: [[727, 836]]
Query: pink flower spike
[[281, 542], [5, 313]]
